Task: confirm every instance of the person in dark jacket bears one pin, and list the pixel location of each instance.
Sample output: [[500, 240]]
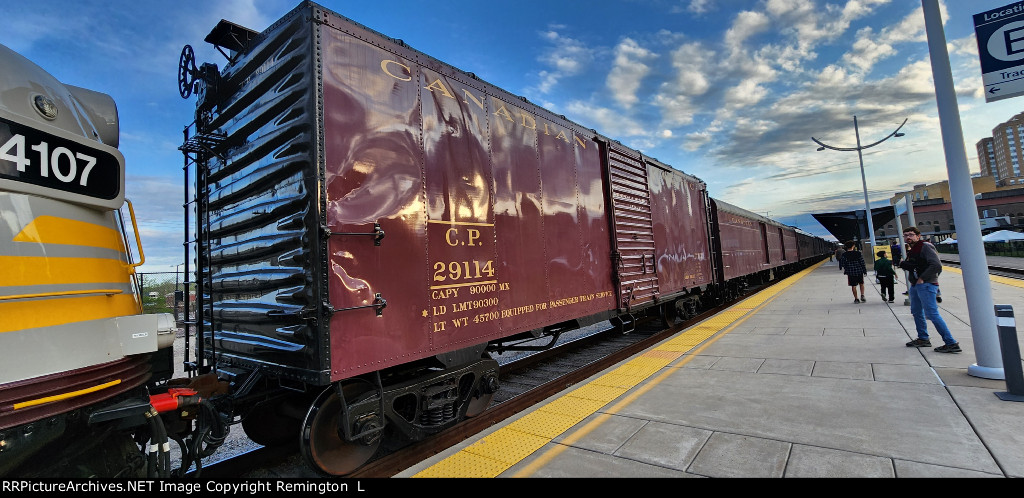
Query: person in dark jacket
[[853, 266], [924, 267], [897, 254], [886, 276]]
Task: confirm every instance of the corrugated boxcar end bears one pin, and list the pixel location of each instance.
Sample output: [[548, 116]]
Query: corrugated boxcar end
[[259, 223]]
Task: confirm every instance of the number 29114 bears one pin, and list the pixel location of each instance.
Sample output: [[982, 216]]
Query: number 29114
[[463, 270]]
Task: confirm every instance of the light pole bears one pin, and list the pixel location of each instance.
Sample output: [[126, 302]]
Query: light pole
[[860, 156], [176, 275]]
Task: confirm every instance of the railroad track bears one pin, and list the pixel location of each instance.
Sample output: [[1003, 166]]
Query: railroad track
[[520, 390], [1002, 271]]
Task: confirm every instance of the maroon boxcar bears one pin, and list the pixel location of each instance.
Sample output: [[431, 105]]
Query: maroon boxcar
[[661, 233], [372, 220], [751, 247], [743, 239], [369, 206]]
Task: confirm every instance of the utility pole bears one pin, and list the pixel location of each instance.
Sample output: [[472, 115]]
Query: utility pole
[[980, 309]]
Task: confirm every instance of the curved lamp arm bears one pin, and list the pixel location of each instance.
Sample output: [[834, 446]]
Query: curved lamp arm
[[887, 137]]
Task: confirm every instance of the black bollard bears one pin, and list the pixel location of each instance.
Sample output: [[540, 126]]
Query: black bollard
[[1011, 354]]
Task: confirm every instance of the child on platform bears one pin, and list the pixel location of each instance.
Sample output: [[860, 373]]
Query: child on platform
[[886, 276]]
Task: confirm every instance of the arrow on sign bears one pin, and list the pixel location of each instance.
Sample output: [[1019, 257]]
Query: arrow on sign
[[993, 91]]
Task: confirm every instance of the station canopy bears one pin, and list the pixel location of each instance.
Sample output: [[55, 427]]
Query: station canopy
[[853, 225]]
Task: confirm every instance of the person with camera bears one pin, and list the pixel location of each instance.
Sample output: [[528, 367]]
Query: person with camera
[[924, 267]]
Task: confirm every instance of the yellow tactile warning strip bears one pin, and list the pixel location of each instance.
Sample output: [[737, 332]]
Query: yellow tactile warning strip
[[507, 446], [995, 278]]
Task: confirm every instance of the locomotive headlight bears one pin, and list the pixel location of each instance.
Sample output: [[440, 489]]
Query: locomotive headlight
[[46, 107]]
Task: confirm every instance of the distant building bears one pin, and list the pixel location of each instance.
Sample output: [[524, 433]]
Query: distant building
[[940, 190], [987, 158], [998, 209], [1001, 155]]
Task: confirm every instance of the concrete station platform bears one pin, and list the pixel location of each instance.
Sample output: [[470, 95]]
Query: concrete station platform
[[796, 381]]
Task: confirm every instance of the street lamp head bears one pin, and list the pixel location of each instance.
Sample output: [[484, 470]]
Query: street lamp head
[[898, 135], [820, 149]]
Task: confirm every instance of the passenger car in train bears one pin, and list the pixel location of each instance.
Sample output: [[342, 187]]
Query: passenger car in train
[[368, 224]]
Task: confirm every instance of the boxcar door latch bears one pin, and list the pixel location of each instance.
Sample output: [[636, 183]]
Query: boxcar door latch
[[379, 303], [377, 233]]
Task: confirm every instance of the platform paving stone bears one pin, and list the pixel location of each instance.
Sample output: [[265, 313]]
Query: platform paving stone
[[812, 461], [805, 330], [666, 445], [1001, 419], [608, 436], [905, 373], [734, 455], [738, 364], [786, 367], [850, 332], [702, 362], [577, 462], [843, 370], [917, 470], [768, 330]]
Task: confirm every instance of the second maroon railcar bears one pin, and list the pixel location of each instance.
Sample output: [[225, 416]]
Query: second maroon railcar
[[752, 246]]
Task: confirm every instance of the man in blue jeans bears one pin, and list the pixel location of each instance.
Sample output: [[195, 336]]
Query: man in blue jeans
[[924, 266]]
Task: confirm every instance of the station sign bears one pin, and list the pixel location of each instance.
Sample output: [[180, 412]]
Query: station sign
[[1000, 35]]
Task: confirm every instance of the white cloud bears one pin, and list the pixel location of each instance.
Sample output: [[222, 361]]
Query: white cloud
[[809, 24], [833, 76], [692, 64], [567, 57], [629, 70], [676, 110], [699, 6], [611, 123], [871, 47], [696, 140], [747, 24], [748, 92]]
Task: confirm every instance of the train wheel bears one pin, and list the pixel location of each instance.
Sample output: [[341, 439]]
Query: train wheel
[[269, 422], [668, 314], [478, 404], [322, 447], [486, 389]]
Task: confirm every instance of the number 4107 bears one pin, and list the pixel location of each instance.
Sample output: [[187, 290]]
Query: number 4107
[[62, 162]]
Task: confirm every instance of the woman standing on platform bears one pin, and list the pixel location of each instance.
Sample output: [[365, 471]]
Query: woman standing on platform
[[853, 266]]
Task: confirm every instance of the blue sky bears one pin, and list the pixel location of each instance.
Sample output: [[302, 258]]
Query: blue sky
[[727, 90]]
